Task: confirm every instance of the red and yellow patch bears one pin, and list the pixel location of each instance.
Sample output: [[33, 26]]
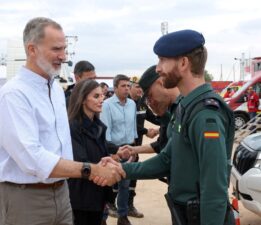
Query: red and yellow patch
[[211, 134]]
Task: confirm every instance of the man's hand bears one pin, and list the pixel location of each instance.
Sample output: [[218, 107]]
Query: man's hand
[[131, 149], [124, 153], [152, 133], [106, 172]]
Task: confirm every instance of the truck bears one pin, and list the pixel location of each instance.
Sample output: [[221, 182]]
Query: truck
[[238, 101], [246, 173], [235, 85], [218, 86]]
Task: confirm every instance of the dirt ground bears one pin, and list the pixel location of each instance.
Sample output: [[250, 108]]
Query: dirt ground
[[150, 201]]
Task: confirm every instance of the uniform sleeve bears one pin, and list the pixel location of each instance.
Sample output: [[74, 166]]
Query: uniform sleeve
[[155, 167], [207, 136], [105, 117], [19, 133]]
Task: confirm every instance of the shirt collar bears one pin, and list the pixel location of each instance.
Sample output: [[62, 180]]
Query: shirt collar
[[195, 94], [34, 77], [117, 100]]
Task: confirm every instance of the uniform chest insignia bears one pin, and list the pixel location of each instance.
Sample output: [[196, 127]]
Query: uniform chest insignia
[[211, 134]]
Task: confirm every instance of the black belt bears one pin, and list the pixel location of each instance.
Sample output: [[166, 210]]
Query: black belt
[[54, 185]]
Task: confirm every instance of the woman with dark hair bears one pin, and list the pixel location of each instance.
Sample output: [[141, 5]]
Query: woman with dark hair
[[89, 145]]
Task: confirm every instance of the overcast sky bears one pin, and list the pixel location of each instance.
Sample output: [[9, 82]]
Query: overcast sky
[[117, 36]]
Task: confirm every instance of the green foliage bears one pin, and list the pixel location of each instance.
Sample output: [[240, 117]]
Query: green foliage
[[208, 77]]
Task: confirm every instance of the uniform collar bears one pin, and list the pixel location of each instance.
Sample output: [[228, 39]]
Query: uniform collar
[[195, 94]]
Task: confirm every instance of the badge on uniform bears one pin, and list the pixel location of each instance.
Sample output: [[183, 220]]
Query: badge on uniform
[[211, 103], [211, 134]]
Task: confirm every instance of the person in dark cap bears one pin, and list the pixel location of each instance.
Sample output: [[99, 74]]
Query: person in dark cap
[[162, 101], [142, 113], [201, 131], [82, 70]]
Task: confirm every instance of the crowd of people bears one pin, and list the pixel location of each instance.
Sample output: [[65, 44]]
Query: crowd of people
[[72, 158]]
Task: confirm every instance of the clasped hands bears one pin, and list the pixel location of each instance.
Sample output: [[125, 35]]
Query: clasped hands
[[109, 170]]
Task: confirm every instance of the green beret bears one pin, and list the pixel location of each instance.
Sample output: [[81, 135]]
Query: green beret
[[178, 43]]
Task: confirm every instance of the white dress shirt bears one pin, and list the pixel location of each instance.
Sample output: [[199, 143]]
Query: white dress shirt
[[34, 129]]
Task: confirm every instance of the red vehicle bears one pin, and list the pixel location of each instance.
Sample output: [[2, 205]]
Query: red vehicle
[[238, 101], [218, 86], [236, 85]]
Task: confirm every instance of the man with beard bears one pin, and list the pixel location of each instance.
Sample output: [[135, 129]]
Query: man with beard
[[200, 132], [35, 144]]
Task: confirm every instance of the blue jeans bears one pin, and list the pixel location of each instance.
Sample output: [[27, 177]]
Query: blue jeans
[[123, 197]]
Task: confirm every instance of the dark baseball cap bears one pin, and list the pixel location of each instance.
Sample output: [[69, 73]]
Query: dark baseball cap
[[148, 78], [178, 43]]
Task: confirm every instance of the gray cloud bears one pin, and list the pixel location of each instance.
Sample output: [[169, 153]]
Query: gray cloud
[[119, 35]]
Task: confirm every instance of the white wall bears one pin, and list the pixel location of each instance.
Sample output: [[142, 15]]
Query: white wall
[[15, 57]]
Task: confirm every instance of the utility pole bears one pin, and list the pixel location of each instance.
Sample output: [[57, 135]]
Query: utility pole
[[221, 73], [70, 47], [234, 73], [242, 67], [164, 27], [242, 62]]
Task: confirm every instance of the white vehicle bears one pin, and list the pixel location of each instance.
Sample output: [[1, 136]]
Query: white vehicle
[[246, 173]]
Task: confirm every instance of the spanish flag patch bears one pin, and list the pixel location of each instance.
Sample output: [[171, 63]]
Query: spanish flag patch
[[211, 134]]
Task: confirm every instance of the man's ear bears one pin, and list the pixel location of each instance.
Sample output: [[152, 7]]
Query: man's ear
[[77, 78], [31, 49], [183, 63]]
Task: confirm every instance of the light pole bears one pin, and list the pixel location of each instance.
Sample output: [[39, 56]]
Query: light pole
[[242, 66], [164, 27]]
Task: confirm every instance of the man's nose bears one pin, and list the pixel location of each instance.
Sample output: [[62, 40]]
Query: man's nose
[[62, 55], [157, 68]]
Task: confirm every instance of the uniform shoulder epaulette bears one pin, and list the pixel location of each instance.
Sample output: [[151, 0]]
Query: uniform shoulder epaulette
[[212, 103]]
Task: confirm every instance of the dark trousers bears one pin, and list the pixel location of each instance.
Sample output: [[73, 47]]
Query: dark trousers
[[87, 217]]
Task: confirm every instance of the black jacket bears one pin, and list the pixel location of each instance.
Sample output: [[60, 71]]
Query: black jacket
[[143, 113], [89, 145], [68, 93], [162, 140]]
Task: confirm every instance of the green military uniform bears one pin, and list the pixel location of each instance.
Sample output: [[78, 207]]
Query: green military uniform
[[197, 154]]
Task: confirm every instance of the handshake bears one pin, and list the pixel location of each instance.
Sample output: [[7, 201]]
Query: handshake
[[109, 170]]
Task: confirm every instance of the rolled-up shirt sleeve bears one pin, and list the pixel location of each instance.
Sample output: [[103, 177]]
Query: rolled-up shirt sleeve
[[20, 136]]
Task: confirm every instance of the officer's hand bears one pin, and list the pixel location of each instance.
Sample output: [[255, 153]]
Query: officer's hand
[[107, 172]]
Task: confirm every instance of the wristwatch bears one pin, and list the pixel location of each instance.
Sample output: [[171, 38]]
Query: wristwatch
[[86, 170]]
